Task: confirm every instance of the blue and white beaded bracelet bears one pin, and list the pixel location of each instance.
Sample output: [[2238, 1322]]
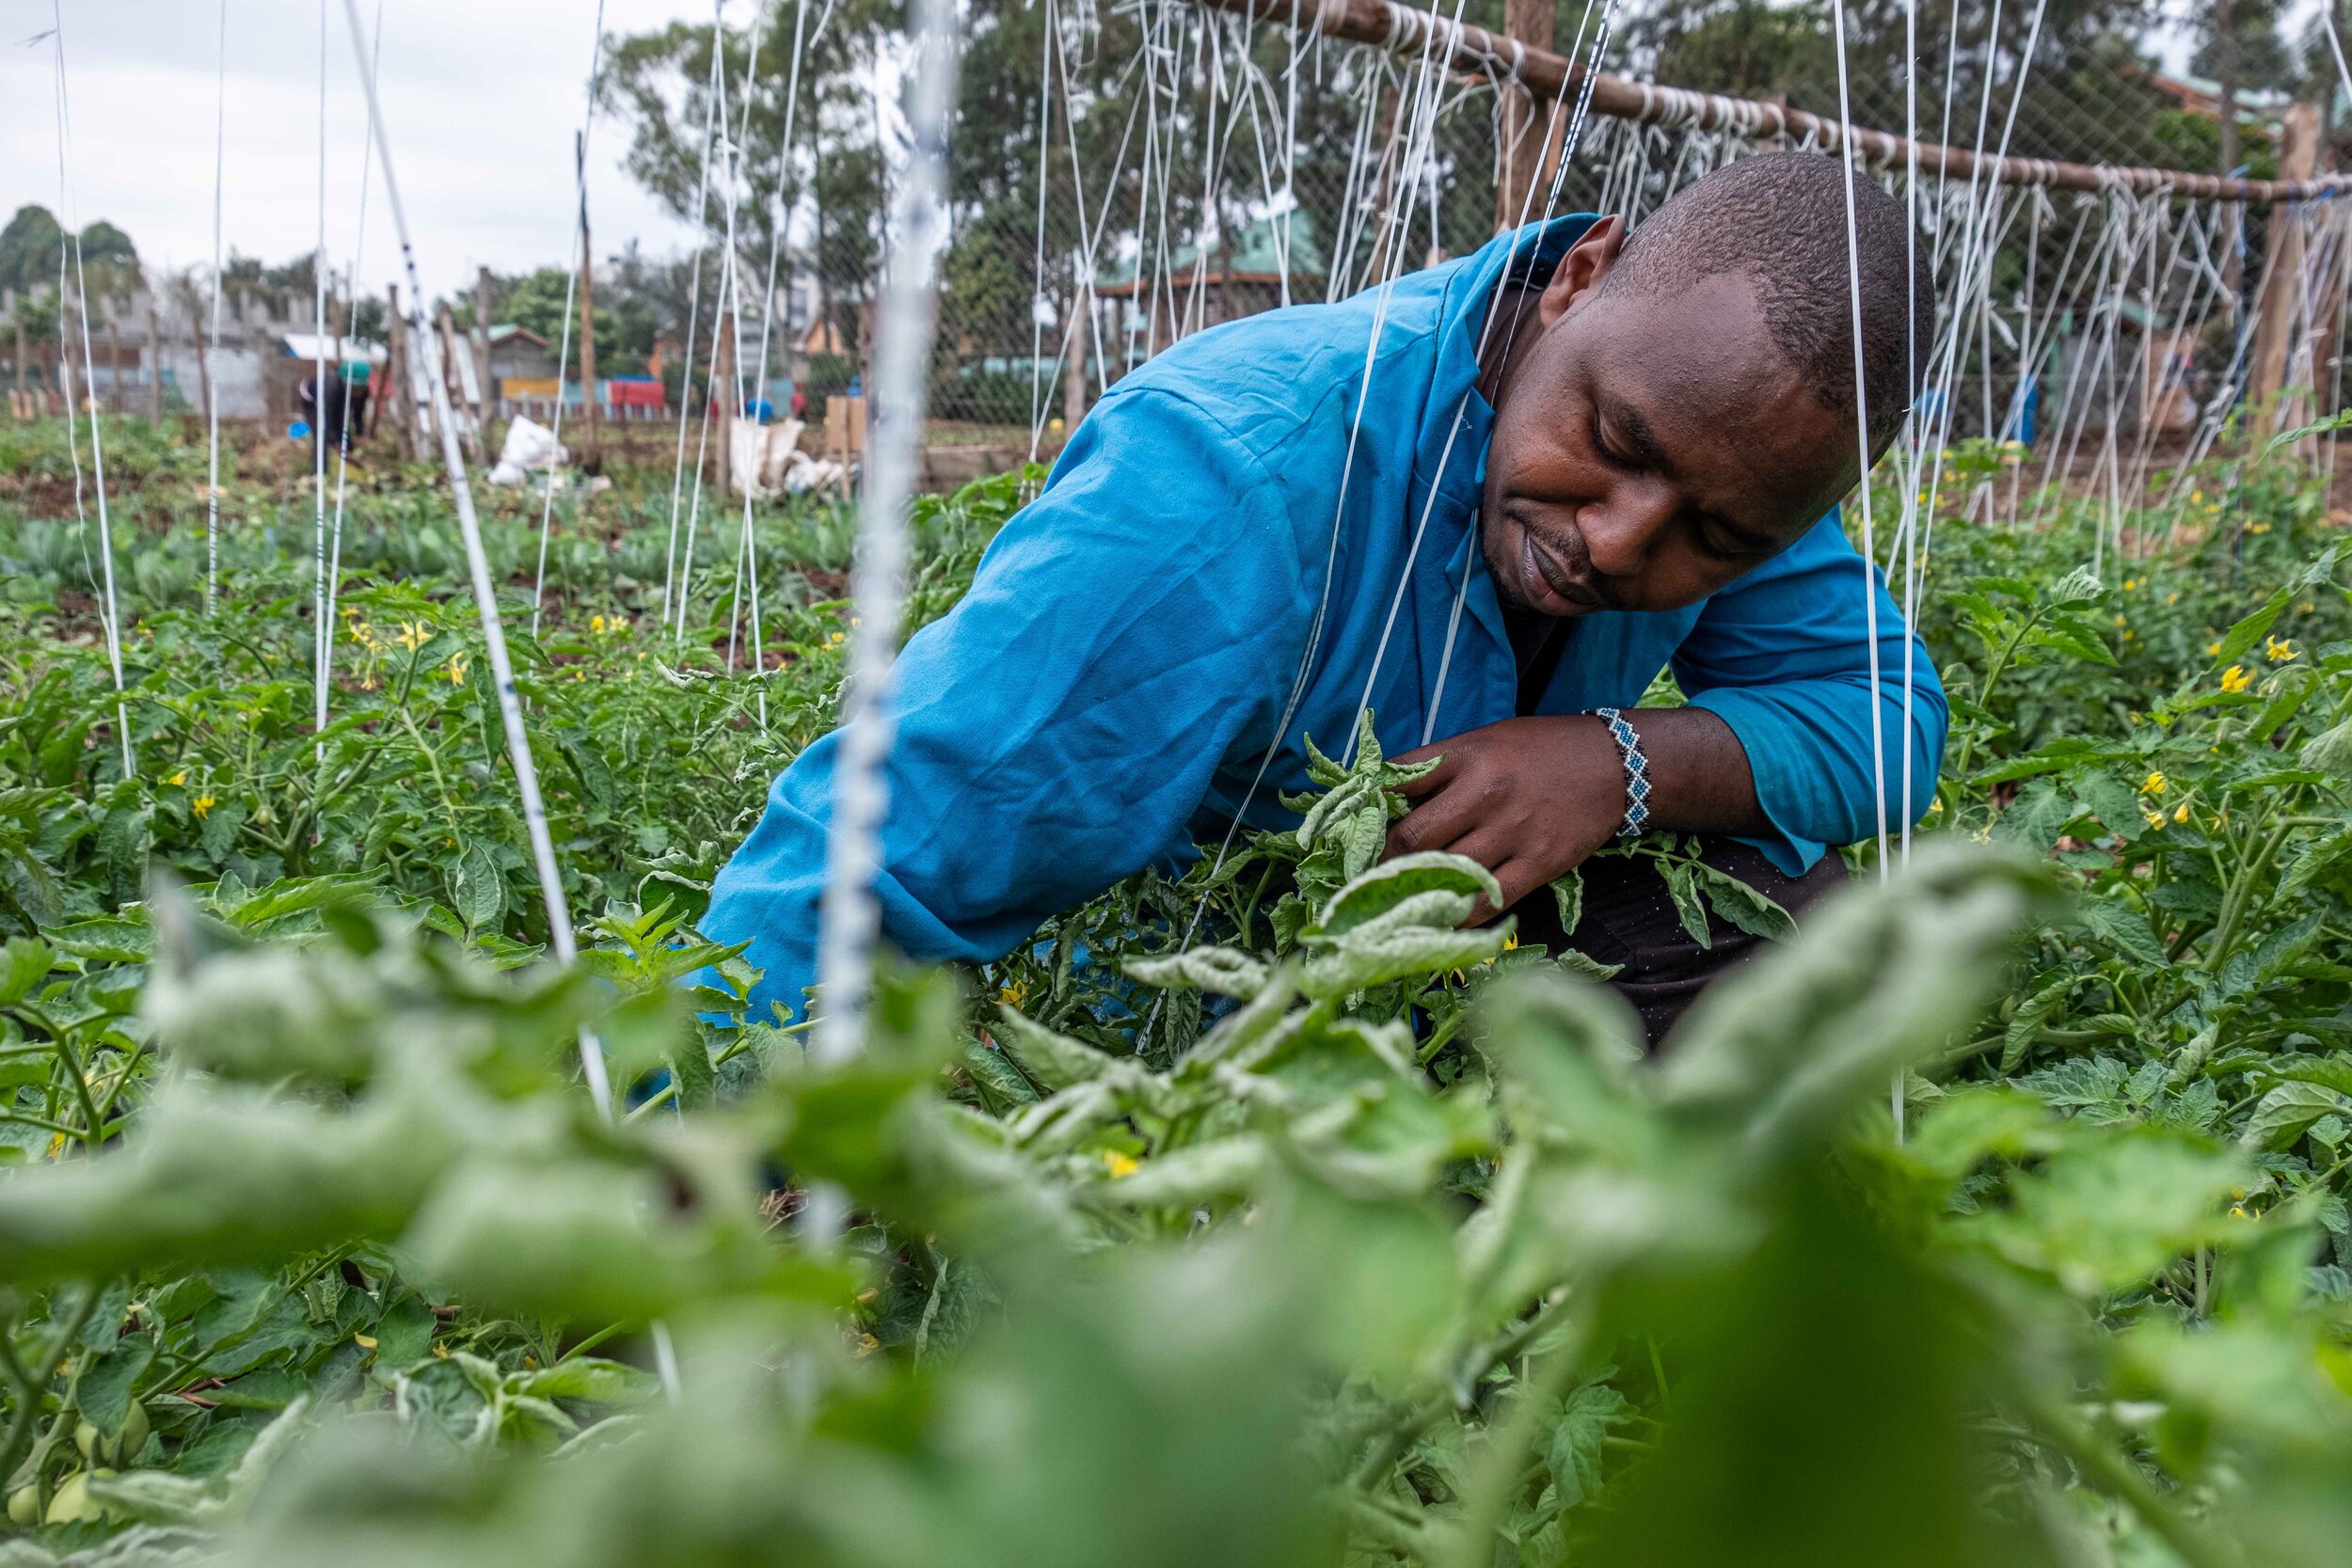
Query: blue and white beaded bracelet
[[1636, 770]]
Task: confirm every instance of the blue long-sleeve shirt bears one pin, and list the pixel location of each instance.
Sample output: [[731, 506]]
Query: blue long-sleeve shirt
[[1133, 642]]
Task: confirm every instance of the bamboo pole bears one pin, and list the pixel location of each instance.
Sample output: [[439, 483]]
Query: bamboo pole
[[1462, 47]]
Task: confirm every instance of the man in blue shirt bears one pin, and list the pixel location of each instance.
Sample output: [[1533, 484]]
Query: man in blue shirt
[[1482, 500]]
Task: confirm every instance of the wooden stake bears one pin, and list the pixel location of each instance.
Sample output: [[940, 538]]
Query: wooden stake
[[2282, 288], [204, 361], [114, 364], [393, 396], [481, 348], [1074, 386], [154, 361], [587, 339], [723, 392], [1518, 161]]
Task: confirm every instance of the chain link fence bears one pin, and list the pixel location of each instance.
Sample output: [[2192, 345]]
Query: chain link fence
[[1167, 208]]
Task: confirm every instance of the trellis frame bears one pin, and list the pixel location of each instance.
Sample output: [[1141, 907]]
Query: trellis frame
[[1466, 47]]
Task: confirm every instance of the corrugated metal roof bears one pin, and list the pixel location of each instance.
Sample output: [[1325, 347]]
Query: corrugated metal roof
[[1254, 254], [305, 345]]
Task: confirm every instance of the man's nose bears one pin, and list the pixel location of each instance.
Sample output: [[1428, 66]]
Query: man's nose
[[1621, 533]]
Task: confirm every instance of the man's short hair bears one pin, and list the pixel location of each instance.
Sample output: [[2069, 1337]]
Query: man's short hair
[[1779, 220]]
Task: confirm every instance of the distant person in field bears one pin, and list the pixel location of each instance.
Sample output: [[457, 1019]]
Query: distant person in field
[[1579, 457], [342, 418]]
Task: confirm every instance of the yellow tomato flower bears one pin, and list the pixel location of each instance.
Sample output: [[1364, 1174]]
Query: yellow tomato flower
[[2180, 812], [2154, 785], [2213, 650], [2130, 583], [2173, 599], [179, 778], [457, 668], [2278, 652], [1119, 1164], [595, 623], [2121, 621], [2235, 678], [1013, 995], [2258, 527], [2155, 818], [203, 805]]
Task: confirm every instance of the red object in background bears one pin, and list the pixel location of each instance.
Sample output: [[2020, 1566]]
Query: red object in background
[[622, 393]]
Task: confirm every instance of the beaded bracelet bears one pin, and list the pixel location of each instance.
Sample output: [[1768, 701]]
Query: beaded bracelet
[[1636, 771]]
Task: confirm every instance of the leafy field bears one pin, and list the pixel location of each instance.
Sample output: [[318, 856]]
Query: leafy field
[[1344, 1235]]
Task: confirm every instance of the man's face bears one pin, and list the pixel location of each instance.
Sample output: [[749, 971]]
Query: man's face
[[1648, 451]]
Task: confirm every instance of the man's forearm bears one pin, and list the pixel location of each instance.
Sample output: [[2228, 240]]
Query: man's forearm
[[1700, 782]]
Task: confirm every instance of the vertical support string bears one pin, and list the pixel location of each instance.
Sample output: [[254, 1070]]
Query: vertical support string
[[110, 617], [485, 592], [571, 293], [1862, 435], [318, 415], [211, 333], [343, 436], [779, 218], [850, 915], [694, 306]]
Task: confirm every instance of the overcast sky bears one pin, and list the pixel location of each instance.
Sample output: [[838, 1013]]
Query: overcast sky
[[481, 99]]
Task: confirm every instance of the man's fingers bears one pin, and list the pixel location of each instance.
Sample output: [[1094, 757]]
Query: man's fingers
[[1437, 823]]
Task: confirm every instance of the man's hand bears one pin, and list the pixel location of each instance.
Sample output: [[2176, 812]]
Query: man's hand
[[1529, 798]]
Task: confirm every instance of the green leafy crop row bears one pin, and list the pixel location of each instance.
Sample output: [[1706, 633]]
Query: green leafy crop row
[[1255, 1216]]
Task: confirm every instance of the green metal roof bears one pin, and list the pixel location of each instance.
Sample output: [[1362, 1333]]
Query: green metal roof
[[1253, 251]]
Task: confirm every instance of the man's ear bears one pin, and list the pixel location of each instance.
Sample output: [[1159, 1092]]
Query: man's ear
[[1582, 269]]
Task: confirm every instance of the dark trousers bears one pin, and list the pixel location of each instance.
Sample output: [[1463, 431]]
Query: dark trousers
[[1629, 920]]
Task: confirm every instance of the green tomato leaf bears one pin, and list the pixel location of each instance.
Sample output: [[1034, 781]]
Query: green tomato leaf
[[476, 890]]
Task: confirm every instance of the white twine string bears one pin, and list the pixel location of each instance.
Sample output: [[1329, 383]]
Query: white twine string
[[779, 215], [849, 916], [1862, 435], [343, 443], [318, 416], [110, 617], [485, 592], [571, 293], [211, 341], [725, 311], [693, 307]]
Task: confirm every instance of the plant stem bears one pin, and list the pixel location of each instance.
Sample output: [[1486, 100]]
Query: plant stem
[[22, 1378], [2118, 1476], [1391, 1443], [1498, 1474]]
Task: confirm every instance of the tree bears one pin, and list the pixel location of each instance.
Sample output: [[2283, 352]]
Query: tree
[[2246, 38], [32, 247], [536, 303], [30, 250]]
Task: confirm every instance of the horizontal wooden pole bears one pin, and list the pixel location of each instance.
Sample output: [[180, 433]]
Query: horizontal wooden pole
[[1407, 29]]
